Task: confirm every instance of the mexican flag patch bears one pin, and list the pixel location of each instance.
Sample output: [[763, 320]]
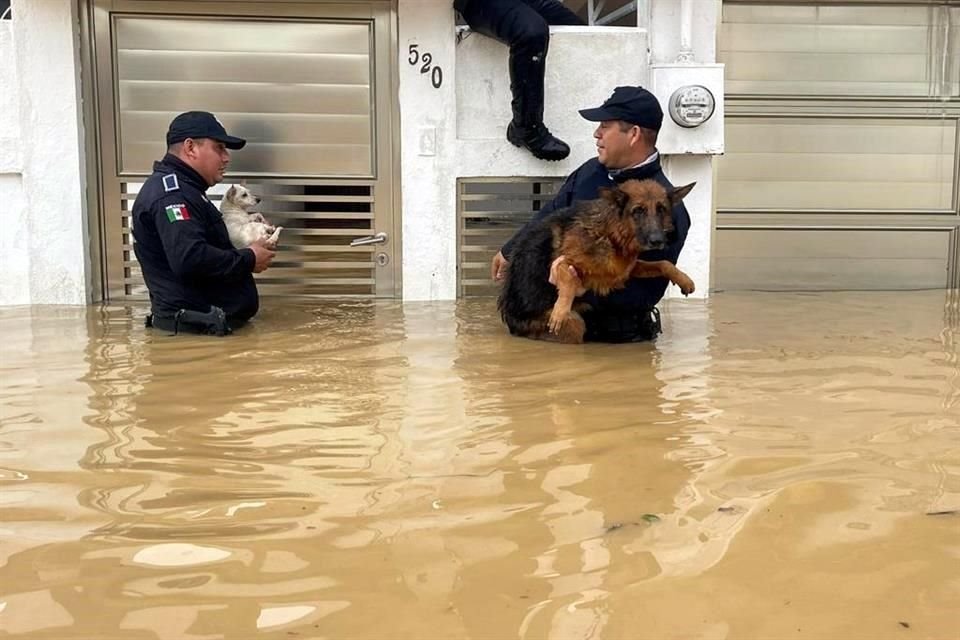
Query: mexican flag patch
[[177, 212]]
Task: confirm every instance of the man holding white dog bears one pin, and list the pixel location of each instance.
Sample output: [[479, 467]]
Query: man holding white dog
[[198, 282]]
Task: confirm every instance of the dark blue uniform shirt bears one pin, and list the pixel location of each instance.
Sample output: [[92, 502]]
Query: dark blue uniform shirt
[[583, 184], [184, 250]]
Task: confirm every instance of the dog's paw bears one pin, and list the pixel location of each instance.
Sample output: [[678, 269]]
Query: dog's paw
[[258, 217], [557, 318], [686, 284], [274, 238]]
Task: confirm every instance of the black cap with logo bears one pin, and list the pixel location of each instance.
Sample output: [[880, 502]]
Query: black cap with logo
[[635, 105], [201, 124]]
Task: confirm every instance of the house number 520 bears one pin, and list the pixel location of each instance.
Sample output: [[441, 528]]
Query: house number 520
[[425, 60]]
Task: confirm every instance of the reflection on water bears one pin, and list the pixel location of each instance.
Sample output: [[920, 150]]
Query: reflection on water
[[775, 465]]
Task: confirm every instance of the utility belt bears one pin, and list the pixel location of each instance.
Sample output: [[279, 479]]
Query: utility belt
[[209, 323], [622, 326]]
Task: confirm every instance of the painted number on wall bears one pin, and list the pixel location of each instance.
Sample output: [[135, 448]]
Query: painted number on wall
[[425, 62]]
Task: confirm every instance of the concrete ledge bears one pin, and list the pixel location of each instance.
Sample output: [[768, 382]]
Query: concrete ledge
[[583, 67]]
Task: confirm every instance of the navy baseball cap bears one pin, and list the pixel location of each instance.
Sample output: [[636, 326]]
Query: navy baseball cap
[[201, 124], [635, 105]]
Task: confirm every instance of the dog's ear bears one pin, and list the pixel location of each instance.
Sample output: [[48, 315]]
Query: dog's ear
[[231, 193], [614, 196], [680, 193]]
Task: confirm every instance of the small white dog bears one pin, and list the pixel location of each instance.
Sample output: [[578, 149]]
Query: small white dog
[[245, 227]]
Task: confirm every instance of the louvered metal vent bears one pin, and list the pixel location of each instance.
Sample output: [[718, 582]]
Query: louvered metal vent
[[489, 211]]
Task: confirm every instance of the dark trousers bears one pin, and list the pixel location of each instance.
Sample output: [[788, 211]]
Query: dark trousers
[[524, 26], [622, 326], [213, 322]]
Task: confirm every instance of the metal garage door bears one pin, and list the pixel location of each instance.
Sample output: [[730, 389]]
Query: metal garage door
[[308, 85], [843, 146]]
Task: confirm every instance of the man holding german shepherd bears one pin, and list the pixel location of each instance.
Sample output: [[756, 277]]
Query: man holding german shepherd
[[629, 121]]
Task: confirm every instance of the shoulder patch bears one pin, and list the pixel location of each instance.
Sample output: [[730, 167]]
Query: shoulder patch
[[176, 212], [170, 182]]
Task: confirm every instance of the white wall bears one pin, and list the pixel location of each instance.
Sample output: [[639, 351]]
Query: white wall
[[43, 250], [458, 129], [14, 256]]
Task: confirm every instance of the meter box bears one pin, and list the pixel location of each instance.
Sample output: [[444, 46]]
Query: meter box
[[691, 96]]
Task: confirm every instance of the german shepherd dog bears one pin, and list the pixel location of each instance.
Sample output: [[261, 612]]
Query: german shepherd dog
[[601, 239]]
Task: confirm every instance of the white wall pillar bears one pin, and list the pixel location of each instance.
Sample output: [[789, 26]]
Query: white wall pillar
[[695, 257], [428, 137], [683, 50], [14, 241], [50, 261]]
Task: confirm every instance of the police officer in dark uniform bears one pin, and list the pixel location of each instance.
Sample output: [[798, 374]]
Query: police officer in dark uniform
[[626, 149], [524, 25], [198, 282]]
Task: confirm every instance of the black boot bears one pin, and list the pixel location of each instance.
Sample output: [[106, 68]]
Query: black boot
[[538, 139], [648, 325], [527, 129]]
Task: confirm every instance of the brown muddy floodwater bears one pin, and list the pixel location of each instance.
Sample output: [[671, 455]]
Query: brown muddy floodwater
[[774, 466]]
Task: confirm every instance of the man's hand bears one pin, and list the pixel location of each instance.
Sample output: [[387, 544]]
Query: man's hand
[[263, 255], [498, 267], [566, 279]]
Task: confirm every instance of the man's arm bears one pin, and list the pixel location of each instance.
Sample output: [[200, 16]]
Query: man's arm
[[187, 250], [563, 198]]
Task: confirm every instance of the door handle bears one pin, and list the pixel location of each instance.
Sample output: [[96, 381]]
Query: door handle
[[377, 238]]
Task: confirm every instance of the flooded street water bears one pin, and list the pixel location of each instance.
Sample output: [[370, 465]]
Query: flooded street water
[[774, 466]]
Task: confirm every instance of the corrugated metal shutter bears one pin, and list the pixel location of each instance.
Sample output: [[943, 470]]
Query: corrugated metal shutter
[[842, 146]]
